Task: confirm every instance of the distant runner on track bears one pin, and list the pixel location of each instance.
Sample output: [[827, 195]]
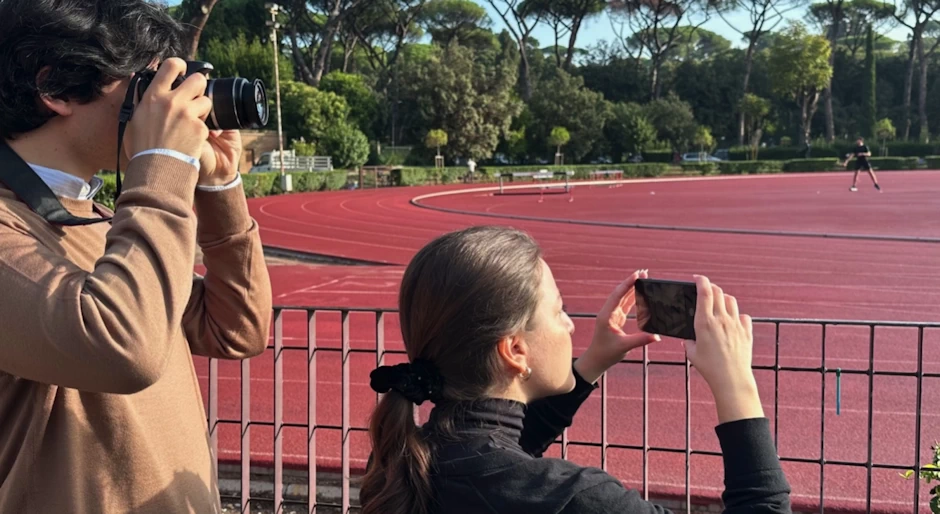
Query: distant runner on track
[[861, 155]]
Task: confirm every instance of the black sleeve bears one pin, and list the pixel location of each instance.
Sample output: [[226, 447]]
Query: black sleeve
[[545, 419], [611, 497], [754, 480]]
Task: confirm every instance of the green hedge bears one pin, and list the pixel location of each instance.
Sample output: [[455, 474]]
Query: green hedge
[[880, 163], [836, 150], [256, 184], [704, 168], [933, 162], [423, 176], [658, 156], [105, 195], [749, 167], [266, 184], [427, 176], [811, 165], [892, 163]]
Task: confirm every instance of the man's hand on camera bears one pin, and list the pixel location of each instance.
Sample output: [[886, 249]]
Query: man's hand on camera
[[170, 118], [220, 156]]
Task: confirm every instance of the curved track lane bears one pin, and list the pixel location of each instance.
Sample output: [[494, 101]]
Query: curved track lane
[[862, 276]]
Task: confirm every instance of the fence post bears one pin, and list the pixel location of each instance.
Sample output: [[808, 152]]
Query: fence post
[[312, 411]]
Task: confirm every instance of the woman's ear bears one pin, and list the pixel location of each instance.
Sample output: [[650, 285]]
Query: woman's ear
[[514, 353]]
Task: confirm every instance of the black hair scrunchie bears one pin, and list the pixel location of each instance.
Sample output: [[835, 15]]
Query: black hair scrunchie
[[418, 381]]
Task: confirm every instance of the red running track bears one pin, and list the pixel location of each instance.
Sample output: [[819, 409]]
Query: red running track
[[773, 276]]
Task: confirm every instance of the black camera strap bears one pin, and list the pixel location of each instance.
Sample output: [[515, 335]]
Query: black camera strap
[[20, 178], [127, 112]]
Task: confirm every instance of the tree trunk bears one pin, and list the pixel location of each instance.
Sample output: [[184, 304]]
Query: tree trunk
[[196, 26], [326, 44], [654, 78], [349, 47], [305, 74], [555, 49], [807, 110], [870, 107], [908, 84], [755, 143], [524, 77], [748, 64], [922, 94], [328, 67], [827, 93], [813, 105], [804, 125], [572, 40]]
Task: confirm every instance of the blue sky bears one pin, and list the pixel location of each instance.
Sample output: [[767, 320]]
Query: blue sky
[[599, 28]]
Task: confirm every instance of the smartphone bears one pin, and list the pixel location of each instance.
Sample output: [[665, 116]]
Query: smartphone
[[666, 307]]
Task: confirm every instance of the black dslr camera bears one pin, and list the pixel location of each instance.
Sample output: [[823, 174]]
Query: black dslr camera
[[237, 103]]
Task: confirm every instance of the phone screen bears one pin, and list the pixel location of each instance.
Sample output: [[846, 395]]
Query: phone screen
[[666, 307]]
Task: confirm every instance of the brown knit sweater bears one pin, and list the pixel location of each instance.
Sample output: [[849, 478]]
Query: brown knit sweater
[[100, 408]]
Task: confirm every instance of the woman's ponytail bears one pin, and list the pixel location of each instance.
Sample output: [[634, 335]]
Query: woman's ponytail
[[398, 480]]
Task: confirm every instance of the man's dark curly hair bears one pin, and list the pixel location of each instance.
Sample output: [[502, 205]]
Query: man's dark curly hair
[[84, 44]]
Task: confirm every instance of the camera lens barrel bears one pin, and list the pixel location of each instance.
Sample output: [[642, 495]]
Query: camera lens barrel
[[237, 103]]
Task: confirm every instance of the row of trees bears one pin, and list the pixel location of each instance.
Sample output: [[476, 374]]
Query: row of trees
[[391, 71]]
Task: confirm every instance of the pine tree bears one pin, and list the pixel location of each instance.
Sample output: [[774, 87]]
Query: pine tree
[[869, 108]]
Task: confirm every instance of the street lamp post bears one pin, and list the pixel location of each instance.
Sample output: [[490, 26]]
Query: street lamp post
[[273, 9]]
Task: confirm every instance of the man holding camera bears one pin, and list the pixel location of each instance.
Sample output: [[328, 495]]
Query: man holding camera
[[100, 312]]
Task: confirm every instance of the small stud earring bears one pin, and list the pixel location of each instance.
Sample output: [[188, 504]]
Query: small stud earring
[[527, 374]]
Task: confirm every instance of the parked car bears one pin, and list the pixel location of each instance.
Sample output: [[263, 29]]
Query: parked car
[[699, 157]]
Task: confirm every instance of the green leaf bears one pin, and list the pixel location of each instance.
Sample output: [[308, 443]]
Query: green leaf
[[907, 474]]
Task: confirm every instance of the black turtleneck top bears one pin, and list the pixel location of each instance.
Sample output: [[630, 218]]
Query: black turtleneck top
[[494, 464]]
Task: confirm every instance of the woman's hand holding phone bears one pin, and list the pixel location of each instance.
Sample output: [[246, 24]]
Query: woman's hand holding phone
[[718, 339], [610, 342], [722, 353]]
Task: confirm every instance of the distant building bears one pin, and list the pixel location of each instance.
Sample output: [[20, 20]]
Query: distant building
[[257, 142]]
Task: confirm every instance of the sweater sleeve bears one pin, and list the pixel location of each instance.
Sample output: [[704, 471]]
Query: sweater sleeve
[[545, 419], [108, 330], [754, 480], [229, 312]]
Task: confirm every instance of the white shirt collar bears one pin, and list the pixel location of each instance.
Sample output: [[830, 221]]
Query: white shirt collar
[[68, 186]]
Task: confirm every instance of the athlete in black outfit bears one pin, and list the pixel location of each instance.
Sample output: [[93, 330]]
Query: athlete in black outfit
[[861, 155]]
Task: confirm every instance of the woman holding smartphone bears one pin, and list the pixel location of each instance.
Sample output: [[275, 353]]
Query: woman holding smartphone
[[489, 343]]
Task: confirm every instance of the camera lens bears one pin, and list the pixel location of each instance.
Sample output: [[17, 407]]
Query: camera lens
[[237, 103]]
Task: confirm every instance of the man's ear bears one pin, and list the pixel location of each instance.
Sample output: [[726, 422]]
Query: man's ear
[[514, 353], [56, 105]]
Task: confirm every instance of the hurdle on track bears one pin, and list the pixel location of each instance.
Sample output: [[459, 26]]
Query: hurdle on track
[[614, 174], [537, 175]]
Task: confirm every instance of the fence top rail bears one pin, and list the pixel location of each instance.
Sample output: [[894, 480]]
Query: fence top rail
[[786, 321]]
